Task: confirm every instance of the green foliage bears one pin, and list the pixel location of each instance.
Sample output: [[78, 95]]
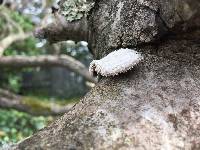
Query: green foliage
[[26, 47], [15, 126], [14, 82], [75, 9], [12, 78], [11, 21], [2, 24], [23, 21], [2, 20]]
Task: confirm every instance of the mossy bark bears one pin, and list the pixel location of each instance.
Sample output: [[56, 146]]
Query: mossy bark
[[156, 105], [30, 105]]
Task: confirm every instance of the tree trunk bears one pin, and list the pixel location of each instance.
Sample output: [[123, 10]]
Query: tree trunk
[[156, 105]]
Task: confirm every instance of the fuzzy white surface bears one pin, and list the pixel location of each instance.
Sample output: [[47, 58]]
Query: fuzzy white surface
[[118, 61]]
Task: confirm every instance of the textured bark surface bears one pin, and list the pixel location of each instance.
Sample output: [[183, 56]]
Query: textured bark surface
[[62, 30], [116, 24], [154, 106]]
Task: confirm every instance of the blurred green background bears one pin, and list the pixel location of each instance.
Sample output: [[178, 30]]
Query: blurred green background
[[38, 88]]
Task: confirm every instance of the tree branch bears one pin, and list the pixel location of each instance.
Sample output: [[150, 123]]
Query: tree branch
[[12, 22], [47, 61], [9, 100], [62, 30]]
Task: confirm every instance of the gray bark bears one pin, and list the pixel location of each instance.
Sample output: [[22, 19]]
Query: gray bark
[[132, 23], [156, 104], [62, 30]]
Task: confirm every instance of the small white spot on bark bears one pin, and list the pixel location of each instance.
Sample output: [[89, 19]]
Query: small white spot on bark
[[119, 61]]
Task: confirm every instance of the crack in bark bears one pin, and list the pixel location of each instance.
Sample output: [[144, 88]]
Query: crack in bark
[[162, 20]]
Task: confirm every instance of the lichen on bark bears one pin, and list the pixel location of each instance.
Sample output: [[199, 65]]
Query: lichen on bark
[[75, 9]]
